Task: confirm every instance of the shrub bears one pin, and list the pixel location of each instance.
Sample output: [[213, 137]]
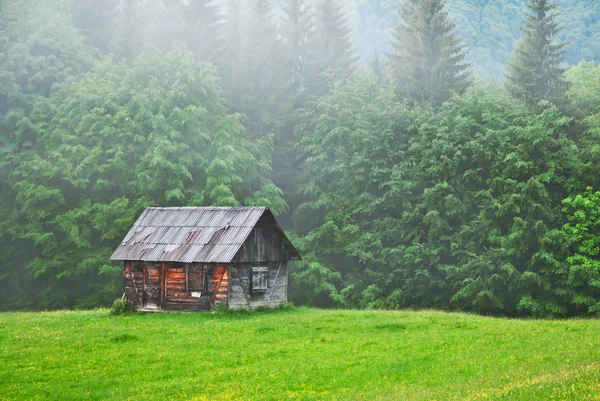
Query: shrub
[[122, 306]]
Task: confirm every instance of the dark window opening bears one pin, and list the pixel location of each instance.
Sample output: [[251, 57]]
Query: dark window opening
[[260, 279]]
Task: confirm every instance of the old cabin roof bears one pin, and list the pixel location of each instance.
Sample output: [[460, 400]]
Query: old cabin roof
[[194, 234]]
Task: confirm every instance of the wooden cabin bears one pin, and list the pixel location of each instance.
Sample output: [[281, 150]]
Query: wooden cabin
[[195, 258]]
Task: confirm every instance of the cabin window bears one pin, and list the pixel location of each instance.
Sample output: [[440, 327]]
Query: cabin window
[[195, 281], [260, 279]]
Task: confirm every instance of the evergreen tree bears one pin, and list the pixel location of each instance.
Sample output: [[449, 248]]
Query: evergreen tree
[[333, 56], [253, 76], [128, 41], [39, 48], [161, 23], [535, 71], [428, 55], [203, 35], [235, 43], [155, 131], [96, 19], [296, 29], [378, 66]]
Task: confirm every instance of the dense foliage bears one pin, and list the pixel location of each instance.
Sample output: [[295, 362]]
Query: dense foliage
[[455, 207], [402, 187]]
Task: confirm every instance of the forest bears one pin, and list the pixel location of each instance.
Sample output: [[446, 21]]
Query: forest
[[420, 153]]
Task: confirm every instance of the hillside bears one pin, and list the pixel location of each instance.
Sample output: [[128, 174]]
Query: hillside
[[297, 354]]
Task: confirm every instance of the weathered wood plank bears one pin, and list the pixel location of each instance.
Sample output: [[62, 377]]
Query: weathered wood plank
[[175, 286], [180, 276], [199, 307], [222, 285], [136, 293], [171, 293], [274, 282], [185, 299]]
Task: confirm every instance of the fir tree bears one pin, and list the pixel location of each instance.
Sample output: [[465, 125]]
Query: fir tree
[[296, 30], [231, 61], [378, 66], [162, 23], [205, 29], [253, 76], [96, 19], [129, 42], [535, 71], [266, 58], [333, 56], [428, 55]]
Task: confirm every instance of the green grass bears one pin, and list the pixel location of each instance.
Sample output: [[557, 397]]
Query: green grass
[[299, 354]]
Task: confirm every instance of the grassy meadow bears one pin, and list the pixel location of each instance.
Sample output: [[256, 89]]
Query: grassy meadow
[[298, 354]]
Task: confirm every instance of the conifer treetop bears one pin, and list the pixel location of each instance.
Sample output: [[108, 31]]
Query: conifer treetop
[[428, 56], [536, 70]]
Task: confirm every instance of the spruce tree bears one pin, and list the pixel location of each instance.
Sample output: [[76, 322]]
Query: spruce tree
[[162, 23], [333, 55], [128, 42], [535, 71], [270, 102], [232, 59], [296, 30], [428, 57], [378, 66], [252, 66], [204, 29], [96, 20]]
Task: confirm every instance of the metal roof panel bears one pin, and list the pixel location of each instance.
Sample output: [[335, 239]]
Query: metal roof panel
[[190, 234]]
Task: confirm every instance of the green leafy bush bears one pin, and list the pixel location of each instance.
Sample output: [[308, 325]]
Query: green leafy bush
[[122, 306]]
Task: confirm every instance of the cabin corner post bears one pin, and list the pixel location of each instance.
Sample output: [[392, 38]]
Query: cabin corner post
[[125, 276], [163, 287], [287, 281], [221, 289], [228, 284]]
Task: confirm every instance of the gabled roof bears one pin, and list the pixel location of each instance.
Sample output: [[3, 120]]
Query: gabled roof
[[193, 234]]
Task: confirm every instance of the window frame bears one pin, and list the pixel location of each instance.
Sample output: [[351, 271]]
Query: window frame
[[260, 275], [199, 284]]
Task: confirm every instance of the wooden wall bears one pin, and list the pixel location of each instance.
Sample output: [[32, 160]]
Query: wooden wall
[[134, 283], [240, 296], [219, 285], [177, 297], [262, 245], [169, 280]]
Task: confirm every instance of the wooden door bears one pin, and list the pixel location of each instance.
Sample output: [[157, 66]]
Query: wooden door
[[152, 287]]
